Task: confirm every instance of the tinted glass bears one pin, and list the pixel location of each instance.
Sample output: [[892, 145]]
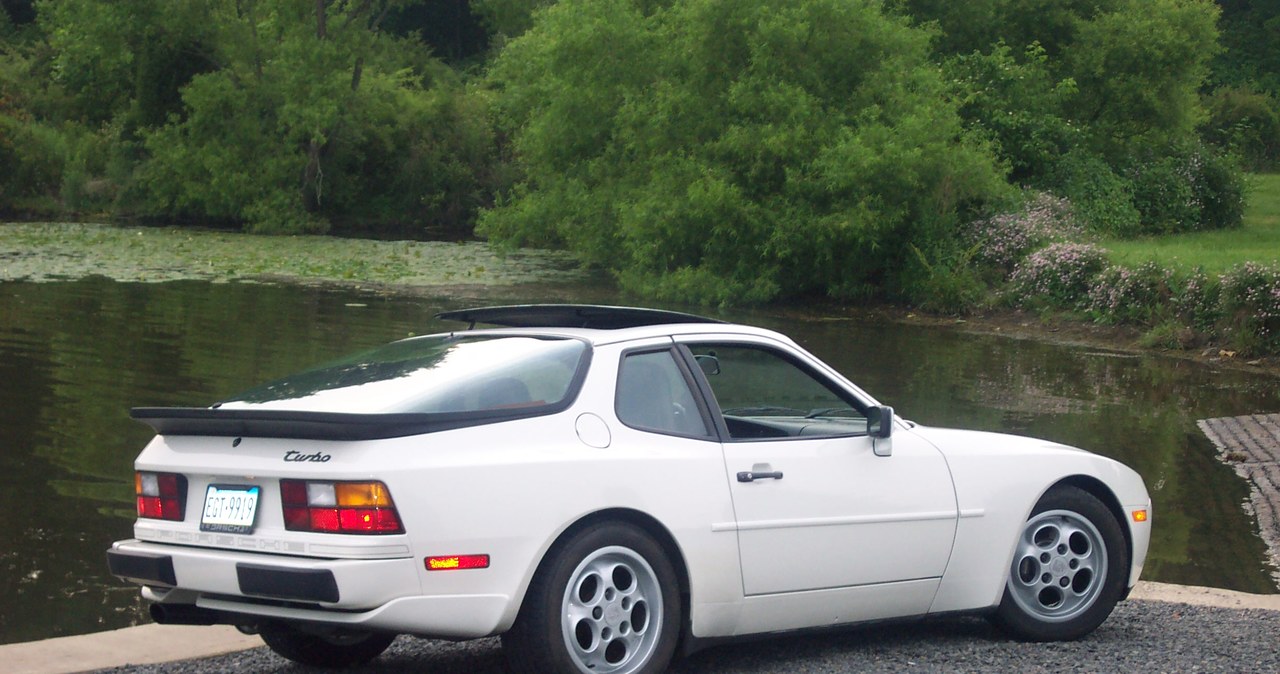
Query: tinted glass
[[764, 395], [653, 394], [441, 373]]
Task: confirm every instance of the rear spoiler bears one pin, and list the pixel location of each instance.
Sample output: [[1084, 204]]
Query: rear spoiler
[[210, 421]]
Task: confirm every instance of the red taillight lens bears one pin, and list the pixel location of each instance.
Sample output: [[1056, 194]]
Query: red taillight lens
[[339, 507], [161, 496]]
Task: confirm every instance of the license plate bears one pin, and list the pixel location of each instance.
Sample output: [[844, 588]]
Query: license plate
[[230, 509]]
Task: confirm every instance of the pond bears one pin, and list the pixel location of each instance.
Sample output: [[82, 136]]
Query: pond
[[75, 356]]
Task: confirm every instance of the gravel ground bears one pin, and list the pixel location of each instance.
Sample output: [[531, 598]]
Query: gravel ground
[[1141, 636]]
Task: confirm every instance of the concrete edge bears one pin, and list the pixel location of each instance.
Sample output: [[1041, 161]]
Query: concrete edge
[[141, 645], [151, 644]]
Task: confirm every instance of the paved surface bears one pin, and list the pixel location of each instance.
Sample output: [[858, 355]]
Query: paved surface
[[1163, 628], [1251, 445]]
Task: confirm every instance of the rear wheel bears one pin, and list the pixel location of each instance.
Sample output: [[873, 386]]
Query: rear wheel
[[1068, 571], [605, 602], [332, 650]]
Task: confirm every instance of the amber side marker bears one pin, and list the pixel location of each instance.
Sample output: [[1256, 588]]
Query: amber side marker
[[456, 562]]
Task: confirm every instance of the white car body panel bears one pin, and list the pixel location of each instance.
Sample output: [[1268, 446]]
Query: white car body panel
[[847, 536]]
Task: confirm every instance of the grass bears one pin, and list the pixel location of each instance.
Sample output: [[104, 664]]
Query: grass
[[1216, 252]]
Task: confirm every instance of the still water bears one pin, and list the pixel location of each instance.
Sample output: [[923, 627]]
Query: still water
[[74, 357]]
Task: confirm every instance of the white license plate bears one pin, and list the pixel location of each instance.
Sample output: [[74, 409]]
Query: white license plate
[[229, 508]]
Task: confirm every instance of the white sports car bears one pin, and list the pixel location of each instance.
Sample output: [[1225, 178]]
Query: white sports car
[[603, 487]]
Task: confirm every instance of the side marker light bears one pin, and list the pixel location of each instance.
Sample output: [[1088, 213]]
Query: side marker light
[[1140, 515], [456, 562]]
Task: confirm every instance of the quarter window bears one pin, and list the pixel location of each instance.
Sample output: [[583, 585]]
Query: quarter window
[[654, 395]]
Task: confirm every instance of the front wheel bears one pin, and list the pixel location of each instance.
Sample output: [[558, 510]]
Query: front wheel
[[1068, 570], [606, 601], [330, 650]]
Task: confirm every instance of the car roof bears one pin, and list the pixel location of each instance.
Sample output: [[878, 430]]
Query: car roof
[[593, 316]]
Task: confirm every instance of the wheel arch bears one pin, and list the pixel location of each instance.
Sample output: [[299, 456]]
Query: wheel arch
[[1102, 492], [640, 520]]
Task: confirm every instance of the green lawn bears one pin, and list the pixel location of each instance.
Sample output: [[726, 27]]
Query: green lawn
[[1258, 240]]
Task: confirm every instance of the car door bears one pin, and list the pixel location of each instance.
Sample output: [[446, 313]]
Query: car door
[[816, 508]]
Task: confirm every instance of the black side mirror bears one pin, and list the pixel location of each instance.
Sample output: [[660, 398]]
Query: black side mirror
[[710, 365], [880, 422]]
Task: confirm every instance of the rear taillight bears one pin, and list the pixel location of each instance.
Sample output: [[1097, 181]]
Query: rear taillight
[[339, 507], [161, 496]]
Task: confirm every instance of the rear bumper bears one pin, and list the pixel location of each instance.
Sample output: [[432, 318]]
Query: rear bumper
[[382, 594]]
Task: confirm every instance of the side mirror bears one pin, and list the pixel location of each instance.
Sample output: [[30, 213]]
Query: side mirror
[[880, 429], [710, 365], [880, 422]]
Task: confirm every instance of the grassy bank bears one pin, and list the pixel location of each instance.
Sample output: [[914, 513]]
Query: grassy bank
[[52, 252], [1218, 251]]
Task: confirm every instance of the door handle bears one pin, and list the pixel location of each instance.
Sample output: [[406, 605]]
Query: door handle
[[748, 476]]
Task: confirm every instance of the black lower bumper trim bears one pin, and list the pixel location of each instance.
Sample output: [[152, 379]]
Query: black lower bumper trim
[[316, 585], [143, 567]]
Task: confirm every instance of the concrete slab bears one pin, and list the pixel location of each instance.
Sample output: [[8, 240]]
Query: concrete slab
[[1251, 445]]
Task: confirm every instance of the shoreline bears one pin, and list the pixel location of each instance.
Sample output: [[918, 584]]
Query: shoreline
[[156, 644]]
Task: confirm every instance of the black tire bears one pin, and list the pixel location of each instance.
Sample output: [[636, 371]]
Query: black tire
[[604, 601], [330, 651], [1068, 571]]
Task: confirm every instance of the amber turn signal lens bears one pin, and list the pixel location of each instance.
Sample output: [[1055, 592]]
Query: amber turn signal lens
[[1140, 515], [454, 562]]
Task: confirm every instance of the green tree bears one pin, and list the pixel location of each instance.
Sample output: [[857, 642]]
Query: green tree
[[316, 113], [1139, 69], [727, 152]]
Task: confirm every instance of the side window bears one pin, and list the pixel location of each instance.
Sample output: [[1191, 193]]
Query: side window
[[654, 395], [764, 395]]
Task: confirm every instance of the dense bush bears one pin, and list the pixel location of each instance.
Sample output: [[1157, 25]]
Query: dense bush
[[1001, 241], [1102, 199], [1058, 276], [1250, 308], [1186, 188], [724, 152], [1131, 296], [1246, 123]]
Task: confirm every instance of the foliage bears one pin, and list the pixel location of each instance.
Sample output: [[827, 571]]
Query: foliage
[[1057, 276], [1251, 37], [1139, 69], [727, 152], [1133, 296], [1019, 103], [1246, 123], [1001, 241], [1250, 301], [1102, 200], [320, 117]]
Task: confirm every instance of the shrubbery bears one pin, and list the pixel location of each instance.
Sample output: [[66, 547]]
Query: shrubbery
[[1054, 269], [727, 152]]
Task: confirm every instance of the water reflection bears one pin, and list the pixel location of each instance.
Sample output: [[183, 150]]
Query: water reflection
[[74, 357]]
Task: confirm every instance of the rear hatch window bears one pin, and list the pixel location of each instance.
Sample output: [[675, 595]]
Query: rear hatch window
[[437, 374]]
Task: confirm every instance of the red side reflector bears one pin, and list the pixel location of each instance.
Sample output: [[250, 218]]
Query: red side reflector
[[455, 562]]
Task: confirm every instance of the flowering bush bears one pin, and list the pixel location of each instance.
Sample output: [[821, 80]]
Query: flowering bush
[[1123, 295], [1197, 301], [1251, 308], [1059, 275], [1001, 241]]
